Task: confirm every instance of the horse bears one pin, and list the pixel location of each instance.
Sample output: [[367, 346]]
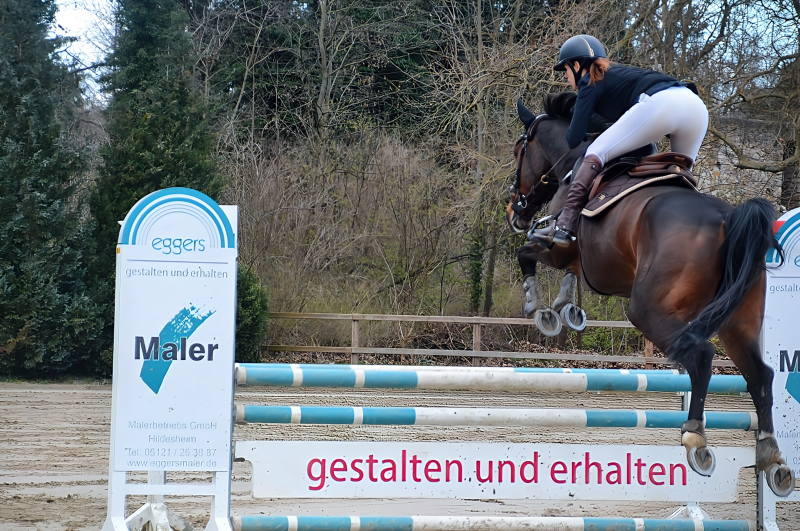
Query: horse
[[691, 265]]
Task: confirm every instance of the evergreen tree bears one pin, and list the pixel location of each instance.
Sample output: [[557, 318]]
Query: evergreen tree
[[251, 315], [159, 133], [157, 123], [156, 118], [49, 321]]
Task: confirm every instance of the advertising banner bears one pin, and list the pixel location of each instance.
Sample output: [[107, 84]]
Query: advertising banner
[[782, 336], [174, 334], [487, 471]]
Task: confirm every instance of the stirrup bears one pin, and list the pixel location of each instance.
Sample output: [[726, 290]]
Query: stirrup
[[544, 234], [563, 237]]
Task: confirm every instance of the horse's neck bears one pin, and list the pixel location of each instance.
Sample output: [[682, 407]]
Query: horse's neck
[[557, 203], [554, 142]]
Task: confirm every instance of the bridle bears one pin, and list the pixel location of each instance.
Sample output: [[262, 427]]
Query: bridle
[[521, 204]]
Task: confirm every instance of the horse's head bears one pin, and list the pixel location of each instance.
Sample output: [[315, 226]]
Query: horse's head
[[543, 157], [534, 184]]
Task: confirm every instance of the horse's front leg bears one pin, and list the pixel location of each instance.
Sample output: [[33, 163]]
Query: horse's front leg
[[571, 315], [547, 320]]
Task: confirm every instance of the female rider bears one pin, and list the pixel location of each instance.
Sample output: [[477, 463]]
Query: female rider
[[644, 104]]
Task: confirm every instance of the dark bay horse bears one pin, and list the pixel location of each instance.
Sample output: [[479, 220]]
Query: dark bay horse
[[691, 264]]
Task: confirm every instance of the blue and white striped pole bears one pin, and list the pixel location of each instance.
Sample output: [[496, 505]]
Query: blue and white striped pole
[[482, 379], [345, 367], [476, 523], [440, 416]]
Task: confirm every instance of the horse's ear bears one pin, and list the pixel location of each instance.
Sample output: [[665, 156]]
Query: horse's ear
[[525, 115]]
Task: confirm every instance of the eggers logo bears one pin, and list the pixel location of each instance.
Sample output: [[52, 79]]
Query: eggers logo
[[791, 366], [178, 245], [171, 345]]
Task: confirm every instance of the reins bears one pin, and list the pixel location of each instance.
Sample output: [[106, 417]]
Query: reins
[[522, 199], [543, 179]]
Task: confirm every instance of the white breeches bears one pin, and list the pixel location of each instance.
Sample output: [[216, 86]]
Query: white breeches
[[677, 112]]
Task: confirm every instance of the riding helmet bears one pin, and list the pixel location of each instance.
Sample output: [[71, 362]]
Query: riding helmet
[[578, 48]]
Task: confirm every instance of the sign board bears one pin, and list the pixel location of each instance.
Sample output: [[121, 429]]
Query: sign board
[[174, 334], [487, 471], [782, 336]]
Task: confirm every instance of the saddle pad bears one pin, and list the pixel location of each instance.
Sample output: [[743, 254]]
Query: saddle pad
[[612, 191]]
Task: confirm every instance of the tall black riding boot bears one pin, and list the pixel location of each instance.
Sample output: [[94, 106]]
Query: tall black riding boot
[[578, 190]]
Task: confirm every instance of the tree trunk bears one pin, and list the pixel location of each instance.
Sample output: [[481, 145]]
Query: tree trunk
[[790, 180], [488, 282], [477, 248], [561, 339], [325, 67]]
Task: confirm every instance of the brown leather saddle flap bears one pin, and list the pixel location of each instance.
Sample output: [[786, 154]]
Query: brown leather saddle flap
[[618, 180], [663, 163], [668, 158]]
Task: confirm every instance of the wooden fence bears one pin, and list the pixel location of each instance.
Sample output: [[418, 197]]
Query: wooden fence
[[476, 353]]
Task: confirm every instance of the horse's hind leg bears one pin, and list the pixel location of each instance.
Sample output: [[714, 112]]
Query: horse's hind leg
[[658, 324], [758, 375], [696, 358], [693, 435], [740, 338]]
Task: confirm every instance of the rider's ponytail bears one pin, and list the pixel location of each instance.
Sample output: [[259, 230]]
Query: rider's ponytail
[[598, 69]]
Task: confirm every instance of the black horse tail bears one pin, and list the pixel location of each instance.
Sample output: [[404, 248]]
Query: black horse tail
[[748, 237]]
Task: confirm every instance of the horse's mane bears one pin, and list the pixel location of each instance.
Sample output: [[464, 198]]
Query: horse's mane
[[561, 106]]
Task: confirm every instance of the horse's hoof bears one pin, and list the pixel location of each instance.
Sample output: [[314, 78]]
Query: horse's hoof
[[780, 479], [548, 322], [573, 317], [701, 460], [768, 453]]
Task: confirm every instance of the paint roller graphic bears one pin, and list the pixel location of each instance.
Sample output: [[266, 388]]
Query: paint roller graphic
[[184, 324], [793, 385]]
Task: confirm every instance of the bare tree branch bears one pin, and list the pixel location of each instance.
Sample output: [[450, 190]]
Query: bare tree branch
[[749, 164]]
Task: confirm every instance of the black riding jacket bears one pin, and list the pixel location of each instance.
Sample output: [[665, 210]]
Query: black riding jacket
[[618, 91]]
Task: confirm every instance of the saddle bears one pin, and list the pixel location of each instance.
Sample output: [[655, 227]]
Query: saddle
[[637, 170]]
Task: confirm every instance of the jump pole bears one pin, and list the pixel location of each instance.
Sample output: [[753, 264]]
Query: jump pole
[[485, 379], [475, 416], [476, 523], [173, 356]]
